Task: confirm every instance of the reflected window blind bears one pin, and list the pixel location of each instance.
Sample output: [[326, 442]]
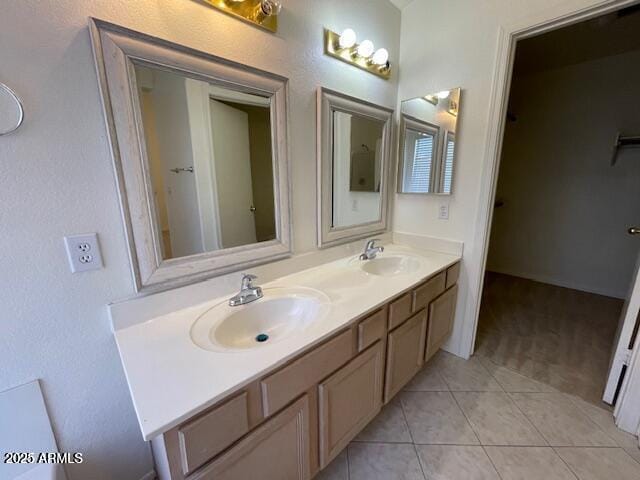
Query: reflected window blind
[[448, 166], [420, 177]]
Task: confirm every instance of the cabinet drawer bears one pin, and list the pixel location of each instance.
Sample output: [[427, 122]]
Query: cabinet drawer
[[348, 400], [278, 449], [209, 434], [405, 353], [297, 377], [425, 293], [453, 273], [441, 315], [400, 310], [372, 329]]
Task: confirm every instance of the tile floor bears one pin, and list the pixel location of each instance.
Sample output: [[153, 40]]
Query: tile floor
[[475, 420]]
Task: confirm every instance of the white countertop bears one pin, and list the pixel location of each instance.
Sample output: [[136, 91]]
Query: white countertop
[[171, 379]]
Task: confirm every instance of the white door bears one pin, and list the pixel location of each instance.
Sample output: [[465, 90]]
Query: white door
[[232, 170], [621, 354]]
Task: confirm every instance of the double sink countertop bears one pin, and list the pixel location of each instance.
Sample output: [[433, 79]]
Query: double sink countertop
[[171, 378]]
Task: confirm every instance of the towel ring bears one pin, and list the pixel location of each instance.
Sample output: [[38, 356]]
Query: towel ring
[[15, 97]]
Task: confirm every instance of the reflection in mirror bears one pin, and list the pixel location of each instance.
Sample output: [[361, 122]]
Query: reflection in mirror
[[357, 167], [428, 133], [210, 162]]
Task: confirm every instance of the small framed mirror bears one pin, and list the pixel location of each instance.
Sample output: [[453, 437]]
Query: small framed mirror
[[354, 140], [428, 128], [200, 153]]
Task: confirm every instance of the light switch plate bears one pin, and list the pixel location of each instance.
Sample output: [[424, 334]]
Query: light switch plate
[[83, 252], [443, 211]]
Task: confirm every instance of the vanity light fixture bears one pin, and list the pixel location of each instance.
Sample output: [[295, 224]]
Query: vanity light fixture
[[263, 13], [443, 94], [344, 47]]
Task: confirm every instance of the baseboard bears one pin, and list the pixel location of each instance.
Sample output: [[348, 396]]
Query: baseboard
[[151, 475], [425, 242], [558, 283]]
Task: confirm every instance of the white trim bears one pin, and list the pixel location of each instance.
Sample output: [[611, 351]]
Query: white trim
[[150, 475]]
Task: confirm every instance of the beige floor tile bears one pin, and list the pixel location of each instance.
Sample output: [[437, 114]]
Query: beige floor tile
[[528, 463], [435, 418], [560, 421], [383, 461], [497, 420], [600, 463], [604, 419], [464, 375], [427, 380], [336, 470], [389, 426], [452, 462]]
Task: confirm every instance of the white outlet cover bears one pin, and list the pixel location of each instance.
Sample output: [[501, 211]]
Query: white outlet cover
[[83, 252]]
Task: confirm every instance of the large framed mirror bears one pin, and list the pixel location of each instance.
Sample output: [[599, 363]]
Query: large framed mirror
[[200, 154], [354, 141], [428, 127]]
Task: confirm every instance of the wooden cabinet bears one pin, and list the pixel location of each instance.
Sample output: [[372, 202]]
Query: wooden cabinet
[[425, 293], [348, 400], [405, 353], [372, 329], [277, 450], [441, 315]]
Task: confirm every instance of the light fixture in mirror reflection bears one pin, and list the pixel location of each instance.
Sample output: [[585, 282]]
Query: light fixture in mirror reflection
[[357, 169], [210, 163], [428, 143]]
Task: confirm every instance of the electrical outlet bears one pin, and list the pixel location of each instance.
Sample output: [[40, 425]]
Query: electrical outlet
[[83, 252], [443, 211]]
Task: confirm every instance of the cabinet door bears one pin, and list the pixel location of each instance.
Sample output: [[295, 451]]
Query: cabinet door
[[441, 314], [405, 353], [348, 400], [277, 450]]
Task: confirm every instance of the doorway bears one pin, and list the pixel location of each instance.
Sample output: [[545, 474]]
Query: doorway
[[560, 261]]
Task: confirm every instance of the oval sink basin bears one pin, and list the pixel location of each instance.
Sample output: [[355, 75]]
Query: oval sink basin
[[279, 314], [391, 265]]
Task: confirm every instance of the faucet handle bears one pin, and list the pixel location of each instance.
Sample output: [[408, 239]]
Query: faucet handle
[[247, 278], [372, 242]]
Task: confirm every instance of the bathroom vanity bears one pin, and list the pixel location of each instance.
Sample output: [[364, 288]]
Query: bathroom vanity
[[324, 384]]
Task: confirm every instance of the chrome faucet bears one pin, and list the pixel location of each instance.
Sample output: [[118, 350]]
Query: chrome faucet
[[248, 293], [370, 250]]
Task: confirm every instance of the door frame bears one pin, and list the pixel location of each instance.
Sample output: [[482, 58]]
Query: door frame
[[541, 22]]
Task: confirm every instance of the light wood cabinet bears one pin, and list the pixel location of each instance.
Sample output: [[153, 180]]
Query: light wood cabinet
[[405, 353], [296, 418], [348, 400], [441, 315], [277, 450]]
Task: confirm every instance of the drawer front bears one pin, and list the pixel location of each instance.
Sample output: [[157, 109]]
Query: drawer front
[[441, 315], [400, 310], [405, 353], [424, 294], [372, 329], [453, 273], [348, 400], [278, 449], [294, 379], [209, 434]]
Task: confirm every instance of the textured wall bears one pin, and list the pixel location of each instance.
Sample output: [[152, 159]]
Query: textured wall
[[56, 178]]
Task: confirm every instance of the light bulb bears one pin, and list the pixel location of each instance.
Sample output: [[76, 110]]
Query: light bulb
[[365, 49], [443, 94], [347, 38], [380, 57]]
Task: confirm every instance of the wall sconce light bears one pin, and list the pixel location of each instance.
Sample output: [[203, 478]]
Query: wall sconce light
[[344, 47], [263, 13]]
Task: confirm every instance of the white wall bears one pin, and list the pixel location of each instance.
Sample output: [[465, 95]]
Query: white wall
[[446, 43], [566, 209], [56, 178]]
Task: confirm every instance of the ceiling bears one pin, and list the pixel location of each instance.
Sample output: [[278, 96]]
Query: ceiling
[[401, 3], [607, 35]]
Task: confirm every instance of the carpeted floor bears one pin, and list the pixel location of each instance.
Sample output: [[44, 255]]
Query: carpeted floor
[[558, 336]]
